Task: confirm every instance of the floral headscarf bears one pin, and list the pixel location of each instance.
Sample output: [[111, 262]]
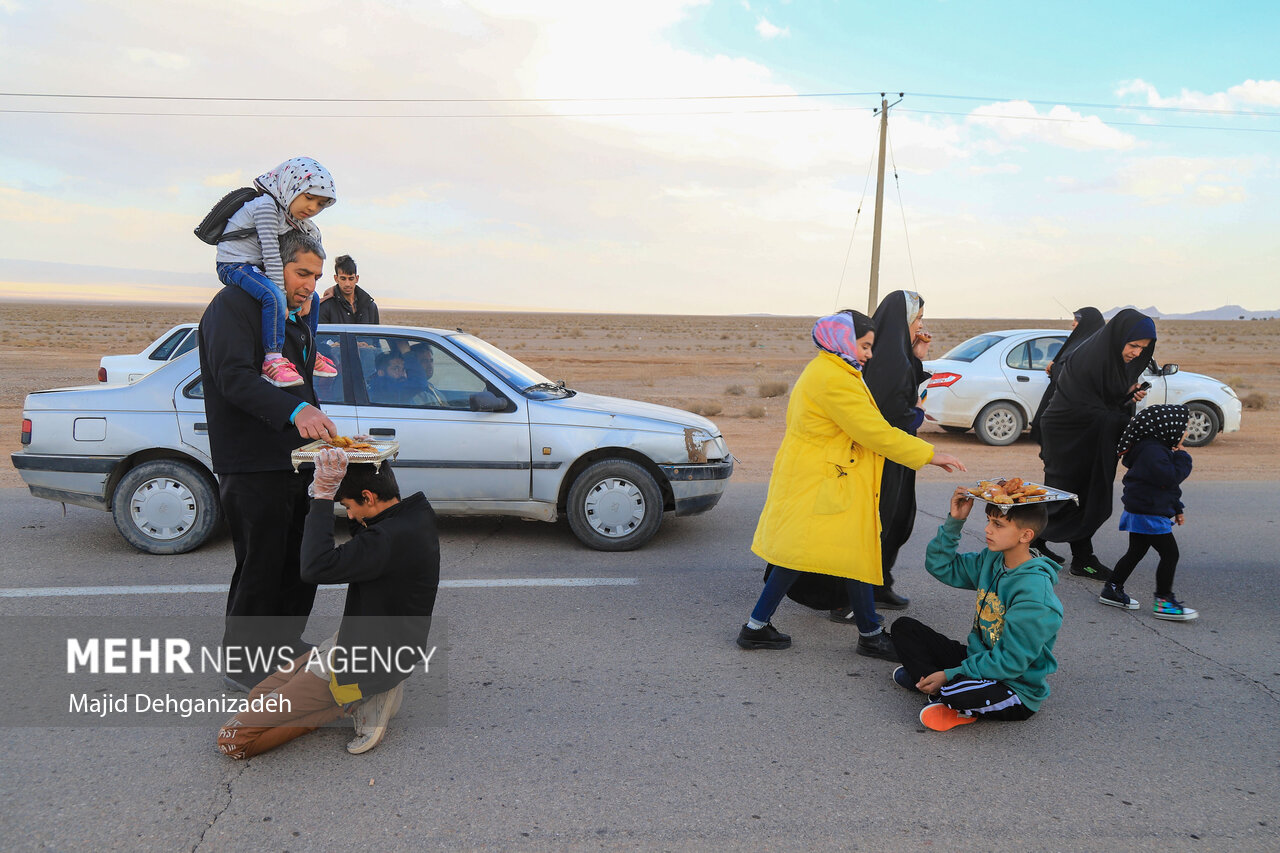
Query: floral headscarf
[[294, 177], [838, 334], [1165, 423]]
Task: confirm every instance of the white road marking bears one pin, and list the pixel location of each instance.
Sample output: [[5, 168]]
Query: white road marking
[[178, 589]]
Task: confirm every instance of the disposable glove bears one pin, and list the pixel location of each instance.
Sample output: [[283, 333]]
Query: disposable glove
[[331, 467]]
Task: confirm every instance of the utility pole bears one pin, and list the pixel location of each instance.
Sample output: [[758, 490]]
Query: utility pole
[[873, 296]]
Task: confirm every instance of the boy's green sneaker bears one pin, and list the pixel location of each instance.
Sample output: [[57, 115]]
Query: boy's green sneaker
[[1170, 608]]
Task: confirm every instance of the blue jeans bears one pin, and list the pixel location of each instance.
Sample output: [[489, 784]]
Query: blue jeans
[[861, 599], [275, 310]]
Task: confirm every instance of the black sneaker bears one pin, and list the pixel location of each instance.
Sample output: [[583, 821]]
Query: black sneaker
[[767, 637], [1043, 547], [890, 600], [842, 616], [1117, 597], [1090, 567], [903, 679], [878, 646]]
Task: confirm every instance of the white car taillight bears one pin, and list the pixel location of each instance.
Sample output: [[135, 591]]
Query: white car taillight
[[943, 380]]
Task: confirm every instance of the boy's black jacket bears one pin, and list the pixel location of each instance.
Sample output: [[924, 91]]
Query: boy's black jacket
[[392, 567]]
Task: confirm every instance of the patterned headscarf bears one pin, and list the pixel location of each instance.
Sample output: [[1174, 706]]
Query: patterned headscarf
[[1165, 423], [294, 177], [914, 305], [838, 334]]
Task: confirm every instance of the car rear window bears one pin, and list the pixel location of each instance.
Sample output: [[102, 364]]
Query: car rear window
[[972, 348], [165, 351]]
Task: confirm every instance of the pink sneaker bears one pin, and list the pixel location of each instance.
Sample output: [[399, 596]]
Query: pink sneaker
[[281, 373], [940, 718], [324, 367]]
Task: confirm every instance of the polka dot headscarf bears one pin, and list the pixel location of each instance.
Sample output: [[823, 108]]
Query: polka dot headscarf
[[1164, 423], [294, 177]]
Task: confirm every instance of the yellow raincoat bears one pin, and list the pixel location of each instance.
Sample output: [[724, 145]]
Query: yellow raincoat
[[821, 514]]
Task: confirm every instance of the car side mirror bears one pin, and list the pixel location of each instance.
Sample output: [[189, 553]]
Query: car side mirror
[[1169, 370], [487, 401]]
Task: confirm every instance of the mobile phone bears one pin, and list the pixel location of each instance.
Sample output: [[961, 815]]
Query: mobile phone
[[1143, 387]]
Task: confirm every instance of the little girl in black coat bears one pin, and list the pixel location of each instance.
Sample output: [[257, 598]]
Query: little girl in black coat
[[1151, 448]]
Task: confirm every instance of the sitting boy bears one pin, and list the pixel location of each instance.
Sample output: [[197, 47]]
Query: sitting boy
[[1002, 673], [392, 566]]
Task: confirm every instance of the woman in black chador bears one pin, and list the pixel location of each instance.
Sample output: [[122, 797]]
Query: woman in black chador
[[894, 377], [1084, 323], [1095, 398]]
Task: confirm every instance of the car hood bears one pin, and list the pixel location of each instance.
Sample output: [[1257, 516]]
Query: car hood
[[598, 410]]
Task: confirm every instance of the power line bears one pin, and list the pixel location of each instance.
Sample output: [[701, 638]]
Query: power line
[[986, 117], [634, 99]]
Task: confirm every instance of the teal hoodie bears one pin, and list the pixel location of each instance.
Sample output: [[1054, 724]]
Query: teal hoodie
[[1018, 615]]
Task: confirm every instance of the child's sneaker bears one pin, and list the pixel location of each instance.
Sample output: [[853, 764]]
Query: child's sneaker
[[940, 718], [281, 373], [1090, 567], [767, 637], [1168, 607], [324, 367], [903, 679], [1117, 597]]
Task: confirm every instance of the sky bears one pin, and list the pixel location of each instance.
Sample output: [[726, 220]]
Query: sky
[[665, 156]]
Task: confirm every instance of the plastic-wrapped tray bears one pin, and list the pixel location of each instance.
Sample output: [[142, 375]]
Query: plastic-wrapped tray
[[979, 491], [382, 450]]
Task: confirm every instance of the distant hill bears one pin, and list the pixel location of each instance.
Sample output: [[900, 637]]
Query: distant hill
[[1226, 312]]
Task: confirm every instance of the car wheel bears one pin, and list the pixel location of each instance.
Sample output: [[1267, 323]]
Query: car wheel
[[1000, 423], [1202, 426], [614, 505], [958, 430], [165, 507]]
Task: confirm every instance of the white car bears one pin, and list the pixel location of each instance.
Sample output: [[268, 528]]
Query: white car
[[992, 384], [124, 369], [479, 433]]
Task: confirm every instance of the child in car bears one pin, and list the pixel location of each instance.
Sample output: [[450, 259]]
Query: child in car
[[293, 193], [1002, 673]]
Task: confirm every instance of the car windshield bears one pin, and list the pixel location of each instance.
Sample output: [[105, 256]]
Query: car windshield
[[972, 348], [514, 372]]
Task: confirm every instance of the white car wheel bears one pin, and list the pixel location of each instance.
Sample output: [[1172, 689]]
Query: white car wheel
[[165, 507], [614, 505], [1000, 423]]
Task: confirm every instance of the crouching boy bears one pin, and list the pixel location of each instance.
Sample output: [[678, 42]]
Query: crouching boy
[[392, 568], [1001, 674]]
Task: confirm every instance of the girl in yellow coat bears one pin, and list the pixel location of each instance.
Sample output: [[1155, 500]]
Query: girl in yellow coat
[[821, 514]]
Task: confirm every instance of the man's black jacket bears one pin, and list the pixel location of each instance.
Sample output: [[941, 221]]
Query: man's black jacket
[[334, 308], [249, 428]]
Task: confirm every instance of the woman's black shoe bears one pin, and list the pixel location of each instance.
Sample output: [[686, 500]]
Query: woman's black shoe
[[890, 600], [767, 637]]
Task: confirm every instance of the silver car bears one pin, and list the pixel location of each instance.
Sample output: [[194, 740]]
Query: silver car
[[993, 383], [479, 432]]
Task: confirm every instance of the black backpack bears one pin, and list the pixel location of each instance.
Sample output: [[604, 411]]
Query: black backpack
[[212, 229]]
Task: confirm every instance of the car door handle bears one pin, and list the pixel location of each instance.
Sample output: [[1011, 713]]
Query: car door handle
[[202, 427], [382, 431], [1022, 378]]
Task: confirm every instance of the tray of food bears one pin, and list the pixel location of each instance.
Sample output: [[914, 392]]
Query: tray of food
[[1008, 491], [358, 449]]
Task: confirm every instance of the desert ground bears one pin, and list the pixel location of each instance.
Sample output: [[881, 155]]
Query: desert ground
[[733, 369]]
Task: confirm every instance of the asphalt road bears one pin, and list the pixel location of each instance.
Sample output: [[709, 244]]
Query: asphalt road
[[624, 717]]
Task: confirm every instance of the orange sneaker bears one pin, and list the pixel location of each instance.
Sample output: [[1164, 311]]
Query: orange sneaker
[[940, 718], [324, 367], [281, 373]]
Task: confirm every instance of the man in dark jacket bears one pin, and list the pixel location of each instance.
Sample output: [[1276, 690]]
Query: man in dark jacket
[[392, 569], [253, 427], [346, 301]]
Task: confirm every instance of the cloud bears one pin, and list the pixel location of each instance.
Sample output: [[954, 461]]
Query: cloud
[[158, 58], [1209, 181], [1061, 126], [1266, 92], [1259, 92], [769, 31]]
